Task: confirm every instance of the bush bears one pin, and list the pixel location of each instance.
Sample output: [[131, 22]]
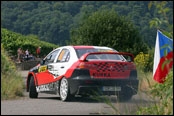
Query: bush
[[141, 60], [145, 61], [11, 82]]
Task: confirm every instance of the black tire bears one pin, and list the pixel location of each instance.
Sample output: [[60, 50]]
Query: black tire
[[64, 90], [125, 95], [32, 89]]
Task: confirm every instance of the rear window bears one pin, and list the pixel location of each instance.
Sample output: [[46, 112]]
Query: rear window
[[81, 52]]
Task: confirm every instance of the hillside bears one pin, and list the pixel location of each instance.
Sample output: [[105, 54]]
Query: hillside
[[12, 41], [11, 81], [52, 21]]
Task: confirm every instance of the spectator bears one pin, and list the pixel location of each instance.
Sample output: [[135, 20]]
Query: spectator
[[38, 51], [27, 53], [22, 55], [19, 52]]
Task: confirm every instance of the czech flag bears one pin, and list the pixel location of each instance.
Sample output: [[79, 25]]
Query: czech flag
[[163, 57]]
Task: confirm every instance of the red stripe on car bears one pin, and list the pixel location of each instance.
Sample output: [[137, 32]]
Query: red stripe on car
[[83, 47]]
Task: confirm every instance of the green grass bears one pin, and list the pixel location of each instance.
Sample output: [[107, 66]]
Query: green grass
[[11, 82], [163, 92]]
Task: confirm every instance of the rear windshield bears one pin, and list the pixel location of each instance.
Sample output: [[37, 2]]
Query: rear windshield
[[81, 52]]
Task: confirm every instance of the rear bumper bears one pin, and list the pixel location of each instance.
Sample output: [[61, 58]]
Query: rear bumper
[[90, 86], [81, 83]]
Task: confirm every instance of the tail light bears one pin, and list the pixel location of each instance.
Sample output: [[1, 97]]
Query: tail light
[[81, 66], [84, 65]]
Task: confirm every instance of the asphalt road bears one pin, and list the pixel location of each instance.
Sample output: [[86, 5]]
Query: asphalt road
[[47, 104]]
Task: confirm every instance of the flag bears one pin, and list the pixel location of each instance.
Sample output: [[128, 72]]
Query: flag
[[163, 57]]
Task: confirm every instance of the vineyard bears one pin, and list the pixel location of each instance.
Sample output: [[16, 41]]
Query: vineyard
[[12, 41]]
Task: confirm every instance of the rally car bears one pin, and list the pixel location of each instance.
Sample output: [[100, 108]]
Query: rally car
[[84, 70]]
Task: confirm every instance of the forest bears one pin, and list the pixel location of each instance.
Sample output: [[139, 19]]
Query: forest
[[53, 21]]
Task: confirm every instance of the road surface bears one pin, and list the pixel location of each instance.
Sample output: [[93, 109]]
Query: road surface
[[48, 104]]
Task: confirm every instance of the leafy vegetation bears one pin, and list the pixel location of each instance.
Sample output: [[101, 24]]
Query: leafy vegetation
[[12, 41], [11, 82], [52, 21], [106, 28], [144, 62], [164, 92]]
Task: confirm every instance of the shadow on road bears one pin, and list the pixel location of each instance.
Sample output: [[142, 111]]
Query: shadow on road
[[75, 99], [111, 99]]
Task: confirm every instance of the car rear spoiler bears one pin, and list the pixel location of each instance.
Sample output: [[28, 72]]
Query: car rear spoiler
[[83, 58]]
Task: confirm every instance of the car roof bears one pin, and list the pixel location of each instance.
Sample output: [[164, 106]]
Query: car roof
[[90, 47], [84, 47]]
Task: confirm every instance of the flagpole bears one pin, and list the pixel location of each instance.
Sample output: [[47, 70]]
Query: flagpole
[[160, 30]]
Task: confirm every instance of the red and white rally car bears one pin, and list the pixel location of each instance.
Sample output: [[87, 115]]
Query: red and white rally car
[[84, 70]]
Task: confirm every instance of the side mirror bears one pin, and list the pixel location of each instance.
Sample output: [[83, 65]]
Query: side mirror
[[42, 62]]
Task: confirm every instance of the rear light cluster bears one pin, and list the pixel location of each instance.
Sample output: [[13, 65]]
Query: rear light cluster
[[84, 65]]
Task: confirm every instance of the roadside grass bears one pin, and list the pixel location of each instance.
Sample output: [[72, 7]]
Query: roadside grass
[[11, 86], [11, 81], [145, 80], [164, 94]]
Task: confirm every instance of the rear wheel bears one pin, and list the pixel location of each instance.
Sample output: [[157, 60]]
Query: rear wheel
[[64, 90], [32, 89], [125, 95]]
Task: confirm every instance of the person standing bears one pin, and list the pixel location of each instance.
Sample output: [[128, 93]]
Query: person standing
[[19, 52], [27, 53], [38, 51]]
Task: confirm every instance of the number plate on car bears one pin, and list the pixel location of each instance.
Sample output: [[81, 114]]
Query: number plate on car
[[111, 88]]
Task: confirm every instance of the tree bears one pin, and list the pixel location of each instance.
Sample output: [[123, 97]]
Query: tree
[[106, 28], [162, 22], [28, 17]]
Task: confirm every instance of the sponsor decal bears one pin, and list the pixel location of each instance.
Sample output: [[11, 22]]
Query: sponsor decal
[[101, 75], [61, 55], [42, 88], [55, 74], [47, 87], [42, 68]]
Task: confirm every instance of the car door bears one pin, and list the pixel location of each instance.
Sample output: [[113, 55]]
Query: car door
[[46, 70], [63, 62]]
